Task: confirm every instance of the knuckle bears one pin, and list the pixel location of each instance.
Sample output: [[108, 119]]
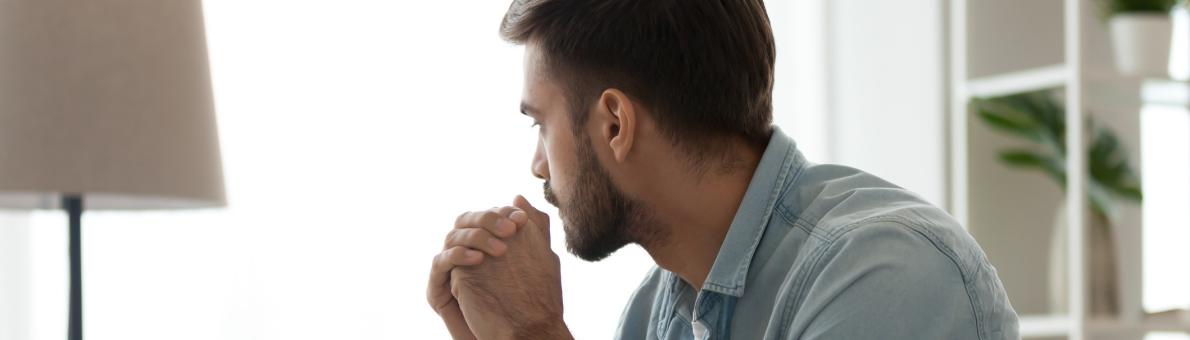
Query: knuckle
[[505, 211], [459, 257], [461, 219], [475, 238], [455, 284], [488, 217], [447, 255], [450, 237], [456, 253]]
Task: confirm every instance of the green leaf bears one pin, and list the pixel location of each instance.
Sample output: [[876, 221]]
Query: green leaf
[[1110, 168], [1131, 192], [1024, 159], [1101, 201], [1031, 115], [1052, 166], [1009, 124], [1011, 115], [1040, 117]]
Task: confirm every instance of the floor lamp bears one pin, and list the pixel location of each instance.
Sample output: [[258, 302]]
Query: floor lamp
[[105, 105]]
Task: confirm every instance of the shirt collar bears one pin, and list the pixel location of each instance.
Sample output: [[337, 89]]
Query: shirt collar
[[780, 162]]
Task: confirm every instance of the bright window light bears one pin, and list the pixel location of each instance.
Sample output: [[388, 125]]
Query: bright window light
[[1166, 336], [1165, 153], [353, 133]]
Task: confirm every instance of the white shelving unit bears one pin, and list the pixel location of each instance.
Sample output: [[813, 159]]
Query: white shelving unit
[[1067, 69], [1045, 326], [1059, 326], [1016, 82]]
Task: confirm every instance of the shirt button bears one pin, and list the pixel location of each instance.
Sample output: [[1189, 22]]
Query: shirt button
[[700, 330]]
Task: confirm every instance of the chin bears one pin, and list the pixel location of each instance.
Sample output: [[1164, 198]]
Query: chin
[[588, 246]]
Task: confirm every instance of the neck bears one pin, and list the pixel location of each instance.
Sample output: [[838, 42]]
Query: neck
[[697, 211]]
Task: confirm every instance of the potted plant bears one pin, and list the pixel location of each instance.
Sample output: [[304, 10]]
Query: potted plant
[[1140, 33], [1039, 118]]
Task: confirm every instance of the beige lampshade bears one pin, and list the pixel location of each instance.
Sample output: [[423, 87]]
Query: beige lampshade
[[110, 99]]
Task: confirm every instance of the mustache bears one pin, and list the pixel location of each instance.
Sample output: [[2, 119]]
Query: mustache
[[549, 194]]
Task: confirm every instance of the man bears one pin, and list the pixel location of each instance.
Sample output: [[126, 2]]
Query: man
[[655, 129]]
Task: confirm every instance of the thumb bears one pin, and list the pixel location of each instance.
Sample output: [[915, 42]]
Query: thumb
[[539, 218]]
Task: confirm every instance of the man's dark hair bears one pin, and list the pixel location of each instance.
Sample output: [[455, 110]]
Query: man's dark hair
[[703, 67]]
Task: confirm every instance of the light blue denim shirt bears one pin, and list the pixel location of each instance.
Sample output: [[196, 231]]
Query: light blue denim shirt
[[829, 252]]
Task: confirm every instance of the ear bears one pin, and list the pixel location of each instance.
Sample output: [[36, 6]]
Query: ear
[[619, 129]]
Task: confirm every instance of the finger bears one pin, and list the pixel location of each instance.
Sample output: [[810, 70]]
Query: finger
[[440, 295], [514, 214], [506, 211], [476, 238], [519, 216], [457, 256], [450, 258], [484, 219], [492, 220], [522, 203], [446, 261], [539, 218]]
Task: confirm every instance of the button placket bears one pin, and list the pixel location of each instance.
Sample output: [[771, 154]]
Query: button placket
[[700, 330]]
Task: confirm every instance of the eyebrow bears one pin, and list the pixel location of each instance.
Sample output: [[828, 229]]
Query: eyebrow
[[528, 110]]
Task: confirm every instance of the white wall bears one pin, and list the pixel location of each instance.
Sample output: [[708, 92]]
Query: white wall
[[887, 91], [799, 93], [14, 276]]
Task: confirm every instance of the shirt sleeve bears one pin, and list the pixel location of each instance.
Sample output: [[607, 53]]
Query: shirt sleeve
[[885, 281]]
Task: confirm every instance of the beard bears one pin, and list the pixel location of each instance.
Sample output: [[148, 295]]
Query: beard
[[598, 217]]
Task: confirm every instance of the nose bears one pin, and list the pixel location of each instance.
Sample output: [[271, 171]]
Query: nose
[[540, 166]]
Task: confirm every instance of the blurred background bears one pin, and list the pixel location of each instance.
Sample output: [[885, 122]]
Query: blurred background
[[353, 132]]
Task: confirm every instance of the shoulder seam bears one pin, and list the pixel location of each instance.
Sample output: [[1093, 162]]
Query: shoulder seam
[[829, 240]]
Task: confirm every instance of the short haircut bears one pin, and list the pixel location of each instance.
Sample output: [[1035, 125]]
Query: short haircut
[[703, 67]]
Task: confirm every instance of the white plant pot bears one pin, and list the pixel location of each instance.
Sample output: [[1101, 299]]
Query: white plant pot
[[1101, 263], [1141, 43]]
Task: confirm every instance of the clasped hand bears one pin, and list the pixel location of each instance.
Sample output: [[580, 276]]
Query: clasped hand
[[497, 278]]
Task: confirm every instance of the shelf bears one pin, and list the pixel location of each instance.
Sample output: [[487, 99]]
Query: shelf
[[1171, 321], [1044, 326], [1016, 82]]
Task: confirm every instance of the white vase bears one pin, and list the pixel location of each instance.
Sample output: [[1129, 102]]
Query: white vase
[[1103, 285], [1141, 42]]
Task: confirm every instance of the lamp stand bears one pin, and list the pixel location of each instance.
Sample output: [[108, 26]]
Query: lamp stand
[[73, 204]]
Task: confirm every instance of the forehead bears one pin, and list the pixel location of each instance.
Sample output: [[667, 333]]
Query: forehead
[[536, 72], [534, 59], [540, 91]]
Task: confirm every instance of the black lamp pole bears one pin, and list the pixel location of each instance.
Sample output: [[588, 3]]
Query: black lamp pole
[[73, 203]]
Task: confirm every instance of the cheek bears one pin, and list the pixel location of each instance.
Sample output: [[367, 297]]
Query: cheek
[[557, 166], [561, 158]]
